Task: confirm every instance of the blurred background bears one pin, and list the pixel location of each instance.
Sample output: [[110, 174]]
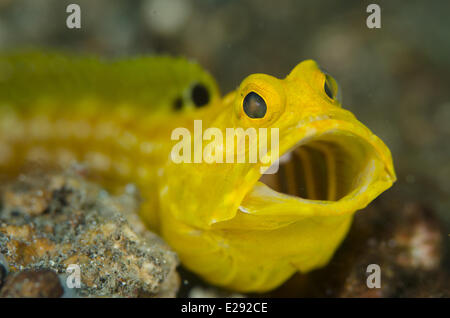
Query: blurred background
[[394, 79]]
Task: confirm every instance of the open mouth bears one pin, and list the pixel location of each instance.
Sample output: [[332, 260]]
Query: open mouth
[[327, 168]]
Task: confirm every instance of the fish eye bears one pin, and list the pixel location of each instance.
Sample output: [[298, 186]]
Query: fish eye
[[254, 105], [200, 95], [330, 87], [327, 89]]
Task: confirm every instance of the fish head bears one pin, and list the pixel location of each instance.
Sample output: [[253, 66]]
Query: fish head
[[317, 158]]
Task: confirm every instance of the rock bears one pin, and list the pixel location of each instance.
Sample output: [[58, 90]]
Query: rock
[[42, 283], [3, 270], [407, 242], [419, 238], [212, 292], [50, 221]]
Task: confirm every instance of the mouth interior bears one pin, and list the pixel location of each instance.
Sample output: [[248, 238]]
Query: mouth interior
[[326, 168]]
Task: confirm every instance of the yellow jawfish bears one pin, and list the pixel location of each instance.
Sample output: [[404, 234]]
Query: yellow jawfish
[[230, 223]]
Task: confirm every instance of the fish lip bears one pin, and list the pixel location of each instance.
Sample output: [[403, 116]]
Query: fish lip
[[312, 128]]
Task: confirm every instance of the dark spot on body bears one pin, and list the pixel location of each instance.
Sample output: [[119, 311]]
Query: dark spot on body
[[178, 104], [200, 95]]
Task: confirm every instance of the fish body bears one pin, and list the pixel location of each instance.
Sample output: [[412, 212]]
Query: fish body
[[229, 222], [112, 115]]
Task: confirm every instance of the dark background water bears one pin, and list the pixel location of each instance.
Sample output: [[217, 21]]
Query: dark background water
[[394, 79]]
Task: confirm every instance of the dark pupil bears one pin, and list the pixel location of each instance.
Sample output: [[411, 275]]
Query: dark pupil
[[200, 95], [254, 105], [328, 90]]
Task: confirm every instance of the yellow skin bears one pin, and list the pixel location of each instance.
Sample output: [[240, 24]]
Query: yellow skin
[[225, 225], [116, 117]]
